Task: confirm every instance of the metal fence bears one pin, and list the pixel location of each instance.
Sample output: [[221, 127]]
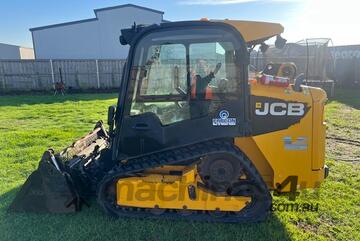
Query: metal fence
[[346, 64], [41, 75]]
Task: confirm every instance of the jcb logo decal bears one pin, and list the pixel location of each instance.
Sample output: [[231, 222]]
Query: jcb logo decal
[[279, 109]]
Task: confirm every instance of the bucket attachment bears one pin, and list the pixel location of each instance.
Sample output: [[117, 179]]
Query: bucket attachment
[[56, 186], [48, 189]]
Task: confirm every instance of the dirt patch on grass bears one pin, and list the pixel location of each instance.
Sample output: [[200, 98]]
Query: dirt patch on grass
[[340, 150], [343, 122], [309, 227]]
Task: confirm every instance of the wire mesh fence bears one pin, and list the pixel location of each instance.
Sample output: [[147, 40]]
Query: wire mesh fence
[[42, 75]]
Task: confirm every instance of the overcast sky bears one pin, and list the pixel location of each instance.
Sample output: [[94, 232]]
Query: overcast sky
[[334, 19]]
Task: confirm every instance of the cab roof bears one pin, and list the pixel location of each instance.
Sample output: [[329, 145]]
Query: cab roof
[[255, 32]]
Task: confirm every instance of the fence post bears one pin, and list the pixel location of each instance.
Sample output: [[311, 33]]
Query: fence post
[[52, 73], [97, 73], [2, 73]]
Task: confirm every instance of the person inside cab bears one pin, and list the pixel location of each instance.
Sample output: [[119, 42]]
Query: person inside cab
[[201, 92]]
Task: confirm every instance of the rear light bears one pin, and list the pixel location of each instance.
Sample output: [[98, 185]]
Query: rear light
[[274, 80]]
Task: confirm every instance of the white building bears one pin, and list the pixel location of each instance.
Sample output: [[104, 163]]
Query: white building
[[95, 38], [8, 51]]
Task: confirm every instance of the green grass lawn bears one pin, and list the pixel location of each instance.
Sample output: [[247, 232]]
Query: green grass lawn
[[31, 124]]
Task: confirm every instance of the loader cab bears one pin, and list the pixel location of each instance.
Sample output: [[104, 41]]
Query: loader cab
[[183, 83]]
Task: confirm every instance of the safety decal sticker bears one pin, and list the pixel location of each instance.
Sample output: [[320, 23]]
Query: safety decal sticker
[[272, 114], [224, 119], [299, 144]]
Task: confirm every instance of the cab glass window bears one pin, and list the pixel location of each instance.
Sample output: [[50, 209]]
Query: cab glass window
[[169, 65], [165, 70], [205, 56]]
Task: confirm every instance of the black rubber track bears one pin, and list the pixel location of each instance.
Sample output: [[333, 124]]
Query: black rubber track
[[256, 211]]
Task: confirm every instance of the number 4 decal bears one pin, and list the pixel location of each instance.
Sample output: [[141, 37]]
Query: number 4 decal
[[293, 181]]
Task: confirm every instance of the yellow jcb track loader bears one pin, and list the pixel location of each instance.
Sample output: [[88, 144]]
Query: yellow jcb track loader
[[190, 137]]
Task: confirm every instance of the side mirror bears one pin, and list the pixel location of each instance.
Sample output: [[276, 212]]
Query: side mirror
[[264, 47], [111, 116], [122, 40], [280, 42], [299, 80]]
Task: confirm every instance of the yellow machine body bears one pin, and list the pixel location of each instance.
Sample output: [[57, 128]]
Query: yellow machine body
[[267, 152], [161, 190]]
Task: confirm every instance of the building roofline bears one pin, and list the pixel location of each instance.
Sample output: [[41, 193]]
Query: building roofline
[[94, 19], [12, 45], [128, 5], [63, 24]]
